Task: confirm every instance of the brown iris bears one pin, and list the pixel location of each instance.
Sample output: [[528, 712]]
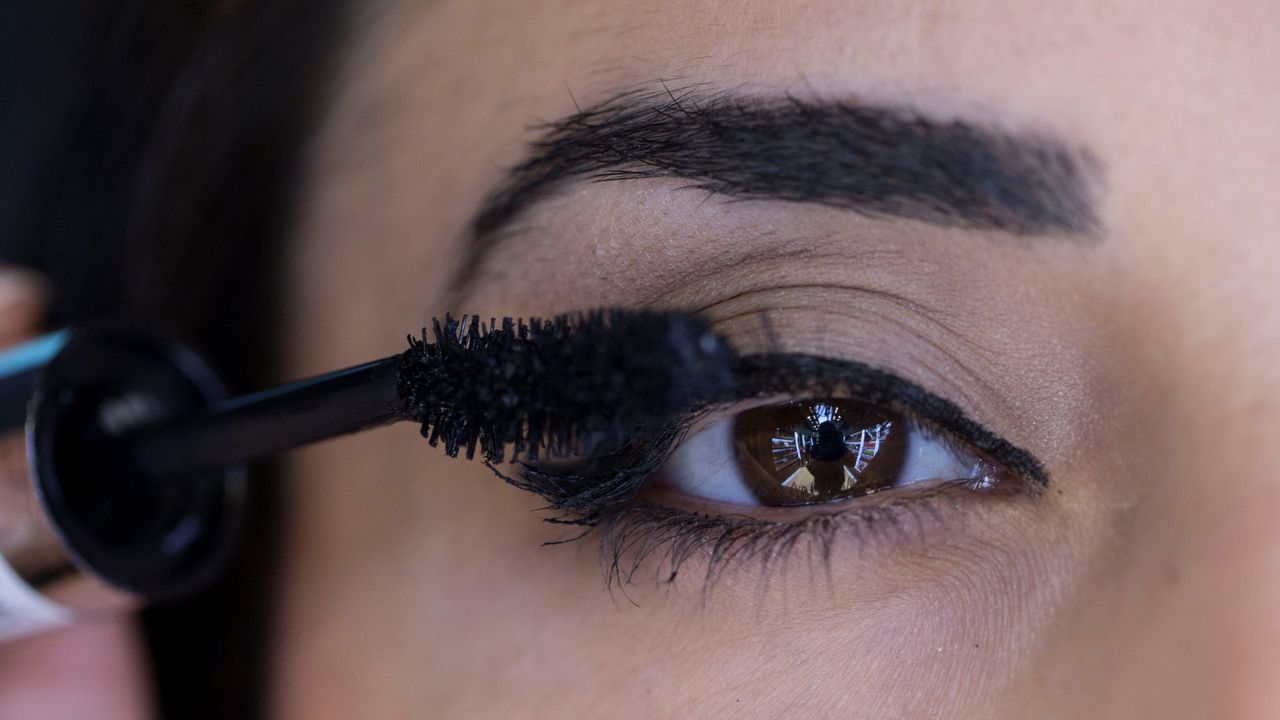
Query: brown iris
[[817, 451]]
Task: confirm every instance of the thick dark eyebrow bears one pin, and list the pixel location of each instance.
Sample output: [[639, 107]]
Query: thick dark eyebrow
[[877, 161]]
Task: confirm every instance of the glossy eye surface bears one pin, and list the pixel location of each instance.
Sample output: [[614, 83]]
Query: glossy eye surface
[[817, 451]]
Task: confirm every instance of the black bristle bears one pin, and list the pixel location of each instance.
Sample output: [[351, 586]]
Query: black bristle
[[558, 386]]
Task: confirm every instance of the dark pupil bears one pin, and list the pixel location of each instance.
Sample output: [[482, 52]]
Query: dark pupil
[[829, 446], [818, 450]]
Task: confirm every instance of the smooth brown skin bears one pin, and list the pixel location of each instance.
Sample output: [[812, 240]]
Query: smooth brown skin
[[1140, 366]]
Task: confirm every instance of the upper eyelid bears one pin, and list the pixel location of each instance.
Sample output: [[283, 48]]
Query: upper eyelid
[[942, 343]]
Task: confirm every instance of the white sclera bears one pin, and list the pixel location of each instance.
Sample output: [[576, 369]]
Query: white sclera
[[705, 465]]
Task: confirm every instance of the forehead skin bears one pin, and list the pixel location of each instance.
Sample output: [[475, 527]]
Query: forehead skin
[[1152, 593]]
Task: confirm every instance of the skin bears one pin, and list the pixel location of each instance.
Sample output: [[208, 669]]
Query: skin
[[1139, 365]]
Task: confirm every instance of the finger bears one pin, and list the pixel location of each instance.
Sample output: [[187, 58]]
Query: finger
[[24, 299], [93, 670]]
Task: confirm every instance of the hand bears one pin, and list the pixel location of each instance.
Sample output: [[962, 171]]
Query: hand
[[94, 670]]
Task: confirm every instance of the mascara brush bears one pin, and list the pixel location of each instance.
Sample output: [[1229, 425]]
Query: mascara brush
[[136, 486], [539, 386]]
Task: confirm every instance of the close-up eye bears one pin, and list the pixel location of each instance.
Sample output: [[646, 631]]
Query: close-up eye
[[808, 452], [794, 359]]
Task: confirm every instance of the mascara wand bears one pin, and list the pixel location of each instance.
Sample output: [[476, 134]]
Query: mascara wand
[[136, 485], [545, 385]]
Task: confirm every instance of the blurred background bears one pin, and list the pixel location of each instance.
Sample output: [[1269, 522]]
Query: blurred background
[[147, 156]]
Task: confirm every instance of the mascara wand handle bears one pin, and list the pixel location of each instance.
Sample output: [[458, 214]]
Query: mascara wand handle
[[263, 424], [79, 536]]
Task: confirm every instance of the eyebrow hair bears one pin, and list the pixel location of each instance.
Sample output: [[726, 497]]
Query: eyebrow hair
[[876, 161]]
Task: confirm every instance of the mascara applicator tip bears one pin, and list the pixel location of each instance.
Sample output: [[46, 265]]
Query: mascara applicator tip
[[556, 386]]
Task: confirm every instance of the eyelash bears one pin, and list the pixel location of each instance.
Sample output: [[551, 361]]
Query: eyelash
[[600, 493], [641, 530]]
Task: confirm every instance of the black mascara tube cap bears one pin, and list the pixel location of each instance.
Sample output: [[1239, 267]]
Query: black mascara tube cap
[[147, 537]]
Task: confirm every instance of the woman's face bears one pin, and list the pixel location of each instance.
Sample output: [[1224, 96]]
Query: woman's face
[[1061, 218]]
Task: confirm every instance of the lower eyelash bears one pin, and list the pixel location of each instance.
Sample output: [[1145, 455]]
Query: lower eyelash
[[633, 535]]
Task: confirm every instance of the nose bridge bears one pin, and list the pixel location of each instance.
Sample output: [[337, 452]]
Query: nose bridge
[[1182, 619], [1215, 551], [1197, 622]]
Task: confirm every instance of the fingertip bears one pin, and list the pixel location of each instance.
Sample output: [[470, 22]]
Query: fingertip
[[20, 285], [24, 299]]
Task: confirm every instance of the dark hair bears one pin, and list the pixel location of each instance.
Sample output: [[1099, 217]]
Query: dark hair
[[149, 152]]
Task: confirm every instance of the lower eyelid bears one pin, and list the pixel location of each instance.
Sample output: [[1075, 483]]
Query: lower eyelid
[[666, 531], [958, 489]]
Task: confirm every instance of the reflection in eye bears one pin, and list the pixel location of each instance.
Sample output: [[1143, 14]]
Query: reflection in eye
[[817, 451]]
